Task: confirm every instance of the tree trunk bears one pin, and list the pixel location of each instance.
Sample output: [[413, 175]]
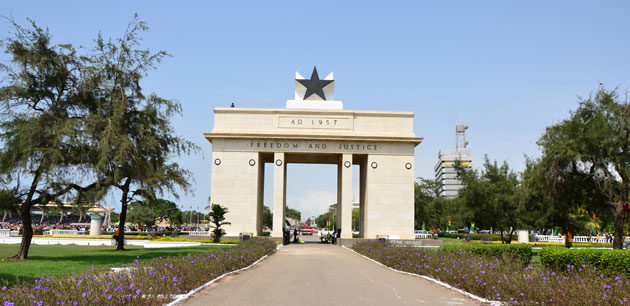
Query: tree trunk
[[25, 211], [620, 214], [509, 238], [27, 233], [120, 239]]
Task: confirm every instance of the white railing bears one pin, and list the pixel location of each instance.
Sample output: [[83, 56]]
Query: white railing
[[591, 239], [423, 236], [14, 233], [58, 232], [199, 233], [550, 238], [577, 239], [5, 232]]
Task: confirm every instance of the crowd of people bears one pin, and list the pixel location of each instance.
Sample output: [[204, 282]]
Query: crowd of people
[[37, 220], [71, 221]]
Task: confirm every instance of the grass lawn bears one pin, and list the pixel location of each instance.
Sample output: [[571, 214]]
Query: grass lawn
[[60, 260]]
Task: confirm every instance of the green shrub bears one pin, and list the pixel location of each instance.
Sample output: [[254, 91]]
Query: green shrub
[[616, 260], [610, 261], [521, 251], [266, 234]]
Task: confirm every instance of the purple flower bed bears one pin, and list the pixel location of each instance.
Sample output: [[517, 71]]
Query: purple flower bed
[[504, 279], [152, 283]]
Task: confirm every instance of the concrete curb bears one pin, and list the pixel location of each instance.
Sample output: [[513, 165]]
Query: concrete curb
[[468, 294], [182, 297]]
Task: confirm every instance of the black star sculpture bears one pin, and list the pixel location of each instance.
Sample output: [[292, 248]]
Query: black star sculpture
[[315, 85]]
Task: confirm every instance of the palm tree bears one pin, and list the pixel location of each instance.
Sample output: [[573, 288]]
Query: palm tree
[[217, 218]]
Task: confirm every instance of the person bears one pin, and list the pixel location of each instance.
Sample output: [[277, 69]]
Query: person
[[339, 233], [295, 234], [334, 237]]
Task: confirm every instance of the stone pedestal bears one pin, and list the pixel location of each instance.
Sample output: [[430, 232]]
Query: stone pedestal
[[95, 225], [523, 236]]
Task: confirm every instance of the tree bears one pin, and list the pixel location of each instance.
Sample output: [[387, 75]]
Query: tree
[[44, 100], [294, 214], [328, 219], [490, 197], [165, 210], [434, 211], [356, 220], [592, 149], [133, 131], [267, 219], [141, 212], [551, 197], [217, 219], [9, 199]]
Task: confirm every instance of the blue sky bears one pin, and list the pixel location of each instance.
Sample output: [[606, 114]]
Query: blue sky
[[507, 69]]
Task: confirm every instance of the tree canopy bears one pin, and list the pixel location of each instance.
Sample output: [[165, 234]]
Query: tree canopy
[[44, 100], [490, 196], [586, 158]]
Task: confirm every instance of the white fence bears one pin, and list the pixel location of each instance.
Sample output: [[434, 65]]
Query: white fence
[[5, 232], [58, 232], [199, 233], [423, 236], [578, 239]]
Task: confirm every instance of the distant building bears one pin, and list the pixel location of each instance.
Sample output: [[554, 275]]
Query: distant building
[[445, 168]]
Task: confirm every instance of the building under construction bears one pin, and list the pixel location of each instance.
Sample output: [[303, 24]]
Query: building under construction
[[445, 168]]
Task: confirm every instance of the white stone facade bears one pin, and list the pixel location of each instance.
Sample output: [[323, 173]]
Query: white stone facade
[[382, 143]]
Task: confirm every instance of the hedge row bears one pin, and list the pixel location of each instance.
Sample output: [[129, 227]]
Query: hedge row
[[521, 251], [494, 237], [610, 261]]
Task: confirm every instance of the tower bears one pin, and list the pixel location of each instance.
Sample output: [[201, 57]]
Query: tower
[[445, 171]]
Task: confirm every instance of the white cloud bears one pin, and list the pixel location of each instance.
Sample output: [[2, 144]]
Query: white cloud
[[312, 202]]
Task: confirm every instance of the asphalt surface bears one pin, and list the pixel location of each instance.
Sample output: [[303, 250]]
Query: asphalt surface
[[323, 274]]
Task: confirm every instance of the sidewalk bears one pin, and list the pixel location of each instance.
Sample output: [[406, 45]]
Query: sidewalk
[[322, 274]]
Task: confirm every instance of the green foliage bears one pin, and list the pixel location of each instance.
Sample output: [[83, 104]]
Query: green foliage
[[133, 132], [140, 212], [433, 211], [44, 102], [294, 214], [165, 210], [356, 219], [267, 219], [490, 197], [65, 260], [148, 212], [610, 261], [585, 158], [521, 251], [8, 199], [328, 219], [217, 219]]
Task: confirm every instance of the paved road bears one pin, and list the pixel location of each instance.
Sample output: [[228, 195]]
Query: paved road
[[321, 274]]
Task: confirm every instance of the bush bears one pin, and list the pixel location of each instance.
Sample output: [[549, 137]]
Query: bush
[[506, 281], [266, 234], [520, 251], [610, 261]]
